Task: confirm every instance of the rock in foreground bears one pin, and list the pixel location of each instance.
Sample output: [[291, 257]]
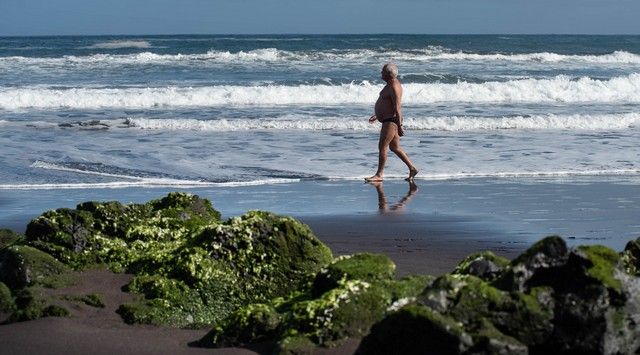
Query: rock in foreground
[[191, 268], [551, 299]]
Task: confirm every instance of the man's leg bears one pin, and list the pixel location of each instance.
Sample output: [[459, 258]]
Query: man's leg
[[394, 145], [387, 133]]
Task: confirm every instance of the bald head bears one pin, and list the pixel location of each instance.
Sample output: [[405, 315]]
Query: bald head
[[390, 69]]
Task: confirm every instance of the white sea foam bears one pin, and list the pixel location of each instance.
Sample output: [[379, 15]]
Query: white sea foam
[[131, 181], [121, 44], [148, 182], [270, 55], [506, 174], [451, 123], [143, 183], [560, 89], [617, 57]]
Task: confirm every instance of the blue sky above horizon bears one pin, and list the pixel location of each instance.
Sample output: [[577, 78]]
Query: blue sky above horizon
[[137, 17]]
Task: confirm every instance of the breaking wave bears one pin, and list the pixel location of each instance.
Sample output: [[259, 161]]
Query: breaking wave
[[452, 123], [271, 55], [560, 89]]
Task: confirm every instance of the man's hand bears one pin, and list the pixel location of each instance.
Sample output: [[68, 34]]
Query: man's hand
[[373, 119]]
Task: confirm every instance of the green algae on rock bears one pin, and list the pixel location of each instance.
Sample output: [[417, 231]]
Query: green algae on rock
[[33, 303], [192, 269], [364, 266], [7, 305], [485, 265], [115, 234], [8, 238], [22, 266], [357, 295], [631, 257], [551, 299], [416, 329]]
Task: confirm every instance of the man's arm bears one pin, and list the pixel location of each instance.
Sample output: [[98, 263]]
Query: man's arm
[[396, 99]]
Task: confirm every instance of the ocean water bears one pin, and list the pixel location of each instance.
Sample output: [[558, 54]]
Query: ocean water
[[93, 112]]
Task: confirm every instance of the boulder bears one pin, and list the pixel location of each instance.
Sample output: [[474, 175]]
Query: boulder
[[416, 329], [365, 266], [7, 305], [8, 238], [485, 265], [631, 257], [22, 266]]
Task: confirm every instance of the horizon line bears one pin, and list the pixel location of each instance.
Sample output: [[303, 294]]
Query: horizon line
[[319, 34]]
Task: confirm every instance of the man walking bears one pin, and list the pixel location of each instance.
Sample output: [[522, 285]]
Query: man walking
[[389, 113]]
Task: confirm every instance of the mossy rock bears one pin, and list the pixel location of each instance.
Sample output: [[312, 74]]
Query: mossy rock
[[517, 315], [489, 340], [485, 265], [22, 266], [603, 265], [547, 251], [102, 232], [416, 329], [32, 303], [295, 345], [365, 266], [253, 323], [540, 261], [407, 287], [7, 305], [8, 238], [443, 291], [270, 255], [167, 301], [92, 299], [345, 311], [630, 257]]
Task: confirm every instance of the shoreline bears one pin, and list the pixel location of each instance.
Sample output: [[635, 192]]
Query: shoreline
[[505, 211]]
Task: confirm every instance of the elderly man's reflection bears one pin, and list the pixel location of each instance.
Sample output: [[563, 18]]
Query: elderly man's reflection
[[398, 206]]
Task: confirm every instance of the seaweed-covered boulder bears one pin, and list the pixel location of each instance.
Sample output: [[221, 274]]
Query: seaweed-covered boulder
[[551, 299], [365, 266], [192, 268], [631, 257], [7, 305], [250, 258], [270, 255], [22, 265], [416, 329], [344, 311], [8, 238], [541, 259], [295, 345], [472, 301], [485, 265], [97, 232], [33, 303], [362, 294]]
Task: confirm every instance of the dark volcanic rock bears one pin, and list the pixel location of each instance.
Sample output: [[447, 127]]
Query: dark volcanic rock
[[22, 266], [631, 257], [416, 329], [551, 299]]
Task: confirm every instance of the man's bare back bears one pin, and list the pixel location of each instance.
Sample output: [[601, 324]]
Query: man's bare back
[[388, 110]]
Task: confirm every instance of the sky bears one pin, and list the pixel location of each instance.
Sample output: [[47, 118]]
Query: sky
[[113, 17]]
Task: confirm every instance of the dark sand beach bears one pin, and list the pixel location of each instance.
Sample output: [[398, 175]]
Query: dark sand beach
[[427, 233]]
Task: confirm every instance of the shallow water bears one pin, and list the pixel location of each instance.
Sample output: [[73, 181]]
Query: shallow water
[[94, 112]]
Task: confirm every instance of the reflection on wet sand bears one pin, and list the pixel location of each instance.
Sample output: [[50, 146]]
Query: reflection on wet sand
[[398, 206]]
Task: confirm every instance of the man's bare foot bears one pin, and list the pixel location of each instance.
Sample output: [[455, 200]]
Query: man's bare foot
[[412, 173], [373, 178]]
